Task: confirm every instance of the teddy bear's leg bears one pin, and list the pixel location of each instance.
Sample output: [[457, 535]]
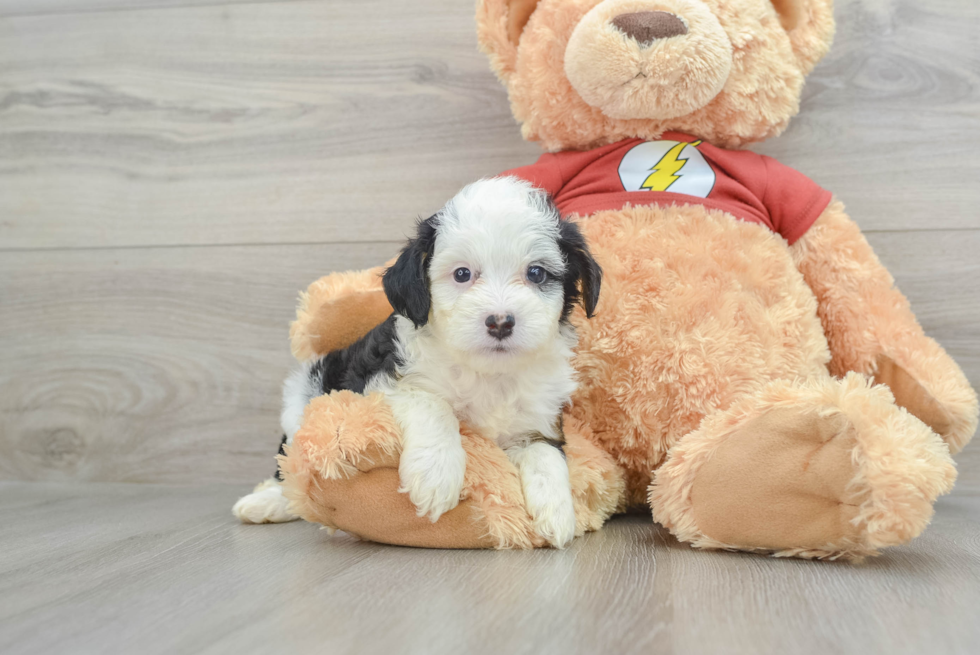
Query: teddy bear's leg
[[824, 468], [337, 310], [872, 330], [342, 471]]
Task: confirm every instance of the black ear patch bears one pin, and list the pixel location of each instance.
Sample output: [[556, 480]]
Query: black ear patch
[[406, 283], [583, 276]]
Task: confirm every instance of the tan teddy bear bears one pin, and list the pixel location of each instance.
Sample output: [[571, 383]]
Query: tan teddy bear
[[752, 372]]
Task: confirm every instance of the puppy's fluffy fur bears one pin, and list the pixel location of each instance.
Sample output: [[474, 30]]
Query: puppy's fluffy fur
[[480, 333]]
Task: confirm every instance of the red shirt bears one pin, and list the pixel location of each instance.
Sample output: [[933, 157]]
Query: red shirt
[[680, 169]]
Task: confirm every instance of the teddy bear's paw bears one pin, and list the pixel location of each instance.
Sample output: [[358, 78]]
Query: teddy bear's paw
[[781, 481], [947, 404], [829, 468], [432, 476], [265, 504]]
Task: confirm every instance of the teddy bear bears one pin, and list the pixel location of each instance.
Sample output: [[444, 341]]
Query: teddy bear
[[752, 375]]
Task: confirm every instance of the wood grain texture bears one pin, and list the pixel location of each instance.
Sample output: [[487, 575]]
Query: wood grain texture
[[890, 119], [154, 364], [248, 122], [252, 123], [149, 569], [44, 7]]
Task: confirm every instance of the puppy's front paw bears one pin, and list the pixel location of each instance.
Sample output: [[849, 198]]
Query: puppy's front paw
[[432, 476], [552, 514]]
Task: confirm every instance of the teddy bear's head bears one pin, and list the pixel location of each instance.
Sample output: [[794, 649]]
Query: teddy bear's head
[[582, 73]]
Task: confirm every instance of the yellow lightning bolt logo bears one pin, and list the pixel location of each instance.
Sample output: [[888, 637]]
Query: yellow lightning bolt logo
[[664, 172]]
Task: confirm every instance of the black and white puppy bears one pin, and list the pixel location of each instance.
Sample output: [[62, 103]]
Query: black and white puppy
[[480, 333]]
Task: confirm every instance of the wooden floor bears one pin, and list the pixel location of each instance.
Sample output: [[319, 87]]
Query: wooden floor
[[172, 172], [115, 568]]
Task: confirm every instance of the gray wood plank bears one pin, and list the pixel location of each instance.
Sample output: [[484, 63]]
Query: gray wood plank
[[129, 364], [248, 123], [890, 120], [150, 569], [259, 123], [151, 365], [940, 274], [42, 7]]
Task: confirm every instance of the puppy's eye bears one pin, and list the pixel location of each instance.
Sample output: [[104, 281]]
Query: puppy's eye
[[461, 275], [536, 275]]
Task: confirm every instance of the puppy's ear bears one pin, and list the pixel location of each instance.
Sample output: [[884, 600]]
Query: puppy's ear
[[406, 283], [582, 271]]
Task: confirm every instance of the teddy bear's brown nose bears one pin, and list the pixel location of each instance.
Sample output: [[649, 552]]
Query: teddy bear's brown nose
[[645, 27]]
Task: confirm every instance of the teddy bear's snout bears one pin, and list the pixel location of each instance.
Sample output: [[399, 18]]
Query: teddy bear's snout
[[645, 27], [648, 59]]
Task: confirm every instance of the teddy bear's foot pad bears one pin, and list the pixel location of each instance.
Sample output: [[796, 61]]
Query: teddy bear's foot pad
[[780, 481], [827, 468]]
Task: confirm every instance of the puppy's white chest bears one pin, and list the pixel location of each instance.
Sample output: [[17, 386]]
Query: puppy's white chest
[[496, 417], [507, 406]]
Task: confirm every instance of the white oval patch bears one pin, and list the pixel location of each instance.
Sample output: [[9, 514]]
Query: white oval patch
[[672, 166]]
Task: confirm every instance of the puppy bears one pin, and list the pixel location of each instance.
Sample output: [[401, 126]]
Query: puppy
[[480, 333]]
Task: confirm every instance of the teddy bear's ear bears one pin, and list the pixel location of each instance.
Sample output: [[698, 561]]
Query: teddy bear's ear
[[499, 24], [810, 25], [790, 12]]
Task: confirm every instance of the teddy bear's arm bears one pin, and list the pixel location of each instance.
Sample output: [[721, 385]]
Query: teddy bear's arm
[[342, 471], [337, 310], [871, 328]]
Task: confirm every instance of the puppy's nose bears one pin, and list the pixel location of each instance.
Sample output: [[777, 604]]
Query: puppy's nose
[[645, 27], [500, 327]]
